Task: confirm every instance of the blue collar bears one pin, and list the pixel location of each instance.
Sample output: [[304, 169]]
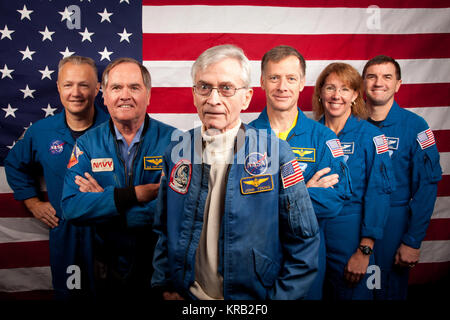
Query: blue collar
[[136, 138]]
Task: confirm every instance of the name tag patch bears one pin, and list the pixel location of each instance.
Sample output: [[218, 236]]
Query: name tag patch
[[393, 143], [256, 184], [102, 164], [348, 147], [305, 154], [153, 163]]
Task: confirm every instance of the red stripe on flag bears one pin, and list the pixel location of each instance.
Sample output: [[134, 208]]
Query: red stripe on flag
[[179, 100], [305, 3], [429, 272], [27, 295], [24, 254], [12, 208], [439, 229], [312, 47], [444, 186], [442, 138]]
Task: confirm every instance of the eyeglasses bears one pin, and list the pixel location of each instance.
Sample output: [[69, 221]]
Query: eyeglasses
[[330, 89], [225, 90]]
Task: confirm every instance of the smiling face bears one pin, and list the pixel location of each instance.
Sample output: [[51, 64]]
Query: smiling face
[[77, 86], [215, 111], [125, 95], [337, 97], [282, 82], [381, 84]]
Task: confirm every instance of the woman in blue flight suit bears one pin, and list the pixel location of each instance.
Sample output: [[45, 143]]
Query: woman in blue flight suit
[[350, 236]]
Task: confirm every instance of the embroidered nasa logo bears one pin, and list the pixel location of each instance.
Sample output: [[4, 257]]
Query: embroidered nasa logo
[[180, 177], [256, 163], [102, 164], [56, 147], [153, 163]]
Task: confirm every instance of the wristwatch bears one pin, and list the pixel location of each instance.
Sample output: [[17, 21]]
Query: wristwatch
[[366, 250]]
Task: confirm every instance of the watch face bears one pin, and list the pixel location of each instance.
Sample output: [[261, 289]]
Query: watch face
[[366, 250]]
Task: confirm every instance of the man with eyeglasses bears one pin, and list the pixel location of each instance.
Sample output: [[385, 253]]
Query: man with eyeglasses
[[317, 149], [235, 220]]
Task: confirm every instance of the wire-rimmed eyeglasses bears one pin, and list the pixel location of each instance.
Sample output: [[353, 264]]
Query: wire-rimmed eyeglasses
[[225, 90]]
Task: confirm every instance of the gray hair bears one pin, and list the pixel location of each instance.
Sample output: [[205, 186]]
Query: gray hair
[[77, 60], [219, 53], [146, 78]]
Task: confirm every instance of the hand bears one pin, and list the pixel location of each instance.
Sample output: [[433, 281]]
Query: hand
[[356, 267], [326, 182], [89, 184], [171, 296], [146, 192], [407, 256], [43, 211]]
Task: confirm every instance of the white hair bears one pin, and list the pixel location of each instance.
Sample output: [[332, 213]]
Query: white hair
[[219, 53]]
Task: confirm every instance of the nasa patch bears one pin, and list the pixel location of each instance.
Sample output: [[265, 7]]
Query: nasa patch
[[56, 147], [180, 177], [256, 163]]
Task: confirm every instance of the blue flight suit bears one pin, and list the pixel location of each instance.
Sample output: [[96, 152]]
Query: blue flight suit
[[124, 240], [415, 159], [269, 238], [308, 140], [45, 149], [365, 213]]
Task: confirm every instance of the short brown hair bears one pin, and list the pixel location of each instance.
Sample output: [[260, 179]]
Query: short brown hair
[[146, 78], [77, 60], [349, 76], [381, 59], [281, 52]]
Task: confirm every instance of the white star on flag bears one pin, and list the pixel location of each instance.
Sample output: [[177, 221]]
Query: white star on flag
[[124, 35], [27, 54], [25, 13], [46, 73], [27, 92], [6, 33], [105, 54], [6, 72], [66, 53], [86, 35], [65, 15], [124, 1], [46, 34], [49, 111], [10, 111], [11, 146], [105, 15]]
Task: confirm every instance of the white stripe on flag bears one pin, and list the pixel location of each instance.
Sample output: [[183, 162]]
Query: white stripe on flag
[[415, 71], [436, 117], [22, 229], [291, 20], [435, 251], [25, 279], [441, 210]]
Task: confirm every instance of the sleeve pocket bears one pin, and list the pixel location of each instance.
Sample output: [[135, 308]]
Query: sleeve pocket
[[432, 166], [301, 216]]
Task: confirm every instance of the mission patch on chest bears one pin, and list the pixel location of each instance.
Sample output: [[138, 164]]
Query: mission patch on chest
[[305, 154], [153, 163]]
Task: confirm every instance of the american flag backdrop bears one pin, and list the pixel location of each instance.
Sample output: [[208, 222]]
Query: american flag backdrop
[[168, 35]]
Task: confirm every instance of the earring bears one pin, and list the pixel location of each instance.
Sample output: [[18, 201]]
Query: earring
[[320, 99], [353, 103]]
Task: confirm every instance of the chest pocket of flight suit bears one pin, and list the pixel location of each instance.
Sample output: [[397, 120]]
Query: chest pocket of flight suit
[[387, 179]]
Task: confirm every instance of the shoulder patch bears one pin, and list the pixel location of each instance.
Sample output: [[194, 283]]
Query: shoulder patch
[[426, 138], [291, 173], [381, 144], [335, 147]]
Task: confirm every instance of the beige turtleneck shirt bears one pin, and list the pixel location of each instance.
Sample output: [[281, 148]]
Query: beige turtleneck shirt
[[218, 153]]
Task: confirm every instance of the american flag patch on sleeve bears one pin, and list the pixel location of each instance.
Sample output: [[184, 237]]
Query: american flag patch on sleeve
[[381, 144], [426, 138], [335, 147], [291, 173]]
